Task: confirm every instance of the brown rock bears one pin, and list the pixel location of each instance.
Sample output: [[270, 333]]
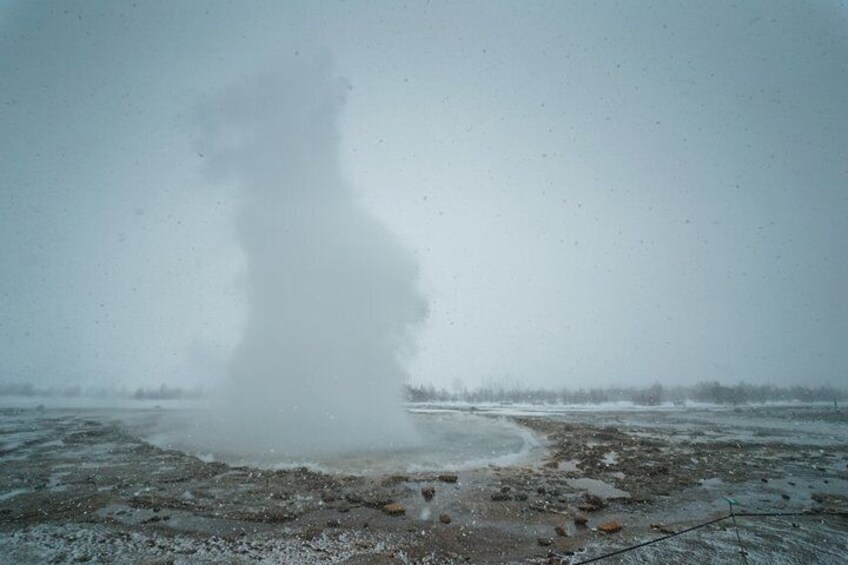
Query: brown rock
[[586, 507], [448, 477], [428, 493], [610, 527], [561, 531], [445, 518], [394, 509]]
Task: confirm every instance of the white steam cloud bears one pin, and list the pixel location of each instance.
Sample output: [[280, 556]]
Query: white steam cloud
[[332, 295]]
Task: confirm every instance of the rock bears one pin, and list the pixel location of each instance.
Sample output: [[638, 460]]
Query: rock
[[334, 523], [662, 529], [428, 493], [394, 480], [505, 489], [520, 496], [445, 518], [581, 520], [610, 527], [586, 507], [561, 531], [594, 500], [544, 542], [448, 477], [784, 496], [394, 509], [501, 497]]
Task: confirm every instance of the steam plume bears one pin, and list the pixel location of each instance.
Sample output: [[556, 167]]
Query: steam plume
[[332, 295]]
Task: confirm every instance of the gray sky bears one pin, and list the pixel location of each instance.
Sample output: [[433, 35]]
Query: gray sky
[[597, 194]]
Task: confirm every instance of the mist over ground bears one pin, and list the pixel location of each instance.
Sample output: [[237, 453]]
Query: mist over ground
[[604, 195]]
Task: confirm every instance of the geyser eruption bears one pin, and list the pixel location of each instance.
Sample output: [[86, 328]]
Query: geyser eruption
[[332, 295]]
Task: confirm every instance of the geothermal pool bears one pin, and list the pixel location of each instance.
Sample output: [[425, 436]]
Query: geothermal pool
[[446, 441]]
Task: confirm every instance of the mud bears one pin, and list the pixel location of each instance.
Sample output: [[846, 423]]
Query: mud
[[79, 486]]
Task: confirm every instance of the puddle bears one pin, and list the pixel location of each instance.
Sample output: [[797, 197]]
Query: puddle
[[598, 488], [569, 466], [448, 441], [55, 484], [14, 493]]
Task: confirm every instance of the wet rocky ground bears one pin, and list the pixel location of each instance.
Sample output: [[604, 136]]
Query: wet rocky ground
[[78, 486]]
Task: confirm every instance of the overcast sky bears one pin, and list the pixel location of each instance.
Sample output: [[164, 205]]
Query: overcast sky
[[597, 194]]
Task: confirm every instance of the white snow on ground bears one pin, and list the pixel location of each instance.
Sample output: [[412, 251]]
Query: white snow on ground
[[74, 543]]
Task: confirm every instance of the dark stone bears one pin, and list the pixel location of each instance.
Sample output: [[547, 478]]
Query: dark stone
[[428, 493], [594, 500]]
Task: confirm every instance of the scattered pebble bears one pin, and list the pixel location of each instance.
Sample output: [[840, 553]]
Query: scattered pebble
[[581, 520], [428, 493], [394, 509], [610, 527]]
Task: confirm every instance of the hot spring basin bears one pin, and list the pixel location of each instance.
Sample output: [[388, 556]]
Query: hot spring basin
[[449, 441]]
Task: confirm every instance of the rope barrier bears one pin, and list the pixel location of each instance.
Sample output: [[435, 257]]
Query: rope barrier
[[806, 513], [653, 541]]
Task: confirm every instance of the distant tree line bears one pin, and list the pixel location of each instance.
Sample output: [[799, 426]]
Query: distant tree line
[[711, 392], [162, 392]]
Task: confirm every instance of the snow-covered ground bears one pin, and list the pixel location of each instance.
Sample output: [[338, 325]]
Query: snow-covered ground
[[83, 481]]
